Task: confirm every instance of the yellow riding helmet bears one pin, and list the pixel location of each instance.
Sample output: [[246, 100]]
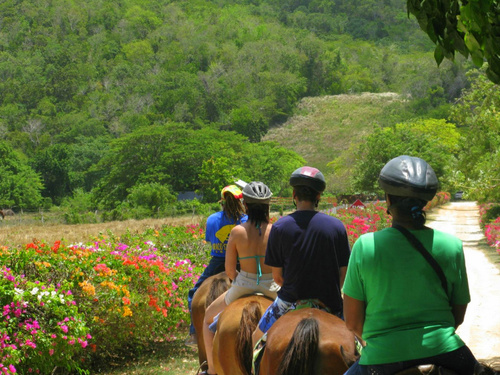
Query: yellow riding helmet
[[233, 190]]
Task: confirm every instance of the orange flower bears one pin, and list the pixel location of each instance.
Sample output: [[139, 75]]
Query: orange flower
[[126, 311]]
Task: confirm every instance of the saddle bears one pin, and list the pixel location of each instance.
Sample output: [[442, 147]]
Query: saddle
[[427, 370]]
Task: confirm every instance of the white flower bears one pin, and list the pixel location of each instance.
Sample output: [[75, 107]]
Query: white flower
[[35, 291], [18, 291]]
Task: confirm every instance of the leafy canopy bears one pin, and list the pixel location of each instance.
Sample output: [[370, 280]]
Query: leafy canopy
[[188, 159], [435, 141], [478, 119], [470, 27], [20, 186]]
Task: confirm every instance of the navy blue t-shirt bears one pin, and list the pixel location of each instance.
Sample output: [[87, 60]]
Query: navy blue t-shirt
[[310, 247]]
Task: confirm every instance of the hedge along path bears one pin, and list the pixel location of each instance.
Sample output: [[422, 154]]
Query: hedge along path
[[481, 327]]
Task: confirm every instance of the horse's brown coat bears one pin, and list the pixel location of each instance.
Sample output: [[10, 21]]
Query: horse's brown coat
[[198, 307], [226, 358], [333, 333]]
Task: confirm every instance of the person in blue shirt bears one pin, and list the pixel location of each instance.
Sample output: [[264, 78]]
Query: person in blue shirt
[[217, 231], [247, 244]]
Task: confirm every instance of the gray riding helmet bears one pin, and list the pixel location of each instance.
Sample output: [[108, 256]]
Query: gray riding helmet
[[408, 176], [257, 192]]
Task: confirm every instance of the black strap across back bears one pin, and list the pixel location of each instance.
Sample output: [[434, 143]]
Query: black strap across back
[[428, 257]]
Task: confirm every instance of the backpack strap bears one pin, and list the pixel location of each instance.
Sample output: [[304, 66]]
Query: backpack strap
[[428, 257]]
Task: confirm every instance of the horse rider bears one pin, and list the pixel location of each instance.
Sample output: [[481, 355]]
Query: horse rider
[[406, 289], [218, 227], [308, 252], [247, 244]]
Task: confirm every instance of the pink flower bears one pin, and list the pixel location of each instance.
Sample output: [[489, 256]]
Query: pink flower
[[64, 328], [51, 351]]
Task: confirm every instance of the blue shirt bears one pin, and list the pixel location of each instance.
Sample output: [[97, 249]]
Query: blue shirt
[[310, 246], [217, 233]]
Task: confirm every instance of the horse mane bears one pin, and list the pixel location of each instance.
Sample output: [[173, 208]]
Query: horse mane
[[250, 317], [218, 286], [300, 354]]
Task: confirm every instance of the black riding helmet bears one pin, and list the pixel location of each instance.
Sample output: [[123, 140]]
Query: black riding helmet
[[308, 176], [257, 192], [408, 176]]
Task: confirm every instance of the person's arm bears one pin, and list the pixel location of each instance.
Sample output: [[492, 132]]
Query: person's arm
[[231, 254], [342, 272], [354, 315], [278, 275], [458, 312]]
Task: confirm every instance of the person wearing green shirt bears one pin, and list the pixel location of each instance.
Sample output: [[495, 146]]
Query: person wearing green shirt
[[394, 300]]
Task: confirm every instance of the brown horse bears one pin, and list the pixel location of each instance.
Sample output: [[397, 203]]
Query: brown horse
[[233, 339], [209, 290], [6, 212], [308, 341]]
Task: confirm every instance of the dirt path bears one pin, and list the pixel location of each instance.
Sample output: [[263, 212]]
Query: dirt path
[[481, 328]]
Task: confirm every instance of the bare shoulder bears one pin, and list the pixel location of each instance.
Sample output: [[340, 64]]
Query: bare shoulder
[[238, 230]]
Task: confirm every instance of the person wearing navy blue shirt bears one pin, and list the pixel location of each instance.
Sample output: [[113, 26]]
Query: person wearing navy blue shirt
[[308, 252]]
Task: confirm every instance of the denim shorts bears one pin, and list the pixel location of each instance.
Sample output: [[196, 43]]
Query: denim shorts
[[246, 283]]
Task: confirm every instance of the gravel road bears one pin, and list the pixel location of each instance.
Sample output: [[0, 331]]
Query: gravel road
[[481, 328]]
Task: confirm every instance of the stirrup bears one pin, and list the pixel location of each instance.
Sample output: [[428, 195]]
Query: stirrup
[[199, 368]]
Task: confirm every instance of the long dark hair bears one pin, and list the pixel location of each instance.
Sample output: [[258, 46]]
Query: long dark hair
[[408, 208], [232, 207], [258, 213]]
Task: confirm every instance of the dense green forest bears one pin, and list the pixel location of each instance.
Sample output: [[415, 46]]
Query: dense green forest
[[116, 105]]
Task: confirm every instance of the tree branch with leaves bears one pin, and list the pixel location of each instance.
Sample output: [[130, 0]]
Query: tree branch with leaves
[[470, 27]]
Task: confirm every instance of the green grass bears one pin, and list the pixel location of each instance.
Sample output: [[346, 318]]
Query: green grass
[[333, 127], [165, 358]]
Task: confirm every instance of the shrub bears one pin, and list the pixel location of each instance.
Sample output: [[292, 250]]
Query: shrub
[[488, 213], [125, 292], [41, 327]]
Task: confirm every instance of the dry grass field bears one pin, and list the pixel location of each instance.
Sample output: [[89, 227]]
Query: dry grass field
[[15, 232]]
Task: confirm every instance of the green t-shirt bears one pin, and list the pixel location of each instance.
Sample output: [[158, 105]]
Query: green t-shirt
[[408, 315]]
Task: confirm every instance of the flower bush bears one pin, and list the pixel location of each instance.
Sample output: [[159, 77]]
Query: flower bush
[[70, 306], [489, 218], [359, 221], [439, 199], [41, 327]]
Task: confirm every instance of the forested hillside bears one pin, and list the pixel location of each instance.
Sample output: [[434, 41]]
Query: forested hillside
[[110, 99]]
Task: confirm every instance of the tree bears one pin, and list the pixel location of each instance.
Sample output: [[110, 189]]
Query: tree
[[476, 115], [53, 164], [216, 173], [435, 141], [469, 27], [20, 185]]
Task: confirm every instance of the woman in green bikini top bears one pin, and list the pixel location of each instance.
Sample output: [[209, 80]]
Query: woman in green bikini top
[[247, 243]]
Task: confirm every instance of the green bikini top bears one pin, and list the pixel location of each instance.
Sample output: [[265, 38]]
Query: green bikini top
[[257, 260]]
